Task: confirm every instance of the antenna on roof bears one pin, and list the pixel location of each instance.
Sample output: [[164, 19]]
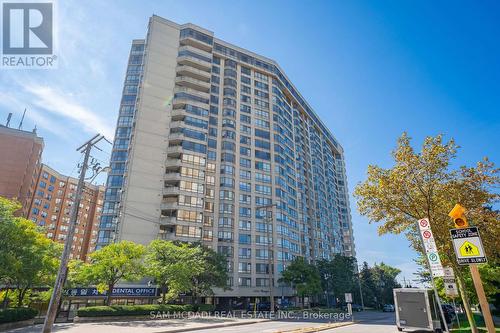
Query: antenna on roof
[[8, 119], [22, 119]]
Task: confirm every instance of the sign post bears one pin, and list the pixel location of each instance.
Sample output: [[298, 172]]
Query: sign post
[[433, 260], [469, 251]]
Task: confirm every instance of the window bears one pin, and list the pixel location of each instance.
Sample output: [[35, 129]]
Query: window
[[263, 189], [262, 155], [244, 267], [187, 231], [225, 222], [245, 212], [224, 236], [245, 281], [245, 140], [245, 151], [244, 225], [245, 174], [244, 239], [244, 186], [244, 253], [262, 134]]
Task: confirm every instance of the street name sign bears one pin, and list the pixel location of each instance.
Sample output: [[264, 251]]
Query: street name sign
[[468, 246], [430, 247]]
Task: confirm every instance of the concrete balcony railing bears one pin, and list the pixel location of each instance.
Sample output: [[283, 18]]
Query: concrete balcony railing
[[172, 176], [175, 150], [171, 190], [190, 91], [173, 162], [198, 74], [188, 60], [196, 43], [168, 220], [206, 54], [190, 82]]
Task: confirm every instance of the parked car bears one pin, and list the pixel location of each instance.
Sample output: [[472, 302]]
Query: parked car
[[355, 308], [388, 308], [262, 306], [448, 312]]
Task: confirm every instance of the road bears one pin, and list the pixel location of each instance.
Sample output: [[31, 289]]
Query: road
[[367, 322]]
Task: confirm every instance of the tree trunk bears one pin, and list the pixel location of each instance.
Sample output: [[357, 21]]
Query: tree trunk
[[465, 300], [108, 295], [163, 294], [20, 296], [5, 301]]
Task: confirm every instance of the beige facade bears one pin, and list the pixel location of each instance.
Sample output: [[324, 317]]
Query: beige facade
[[218, 132]]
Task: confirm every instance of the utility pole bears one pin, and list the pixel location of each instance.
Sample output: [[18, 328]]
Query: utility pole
[[270, 260], [55, 299]]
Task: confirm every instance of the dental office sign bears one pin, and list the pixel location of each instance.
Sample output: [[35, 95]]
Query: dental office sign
[[28, 34]]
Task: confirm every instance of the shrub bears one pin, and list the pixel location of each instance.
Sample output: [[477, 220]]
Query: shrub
[[131, 310], [17, 314], [204, 307]]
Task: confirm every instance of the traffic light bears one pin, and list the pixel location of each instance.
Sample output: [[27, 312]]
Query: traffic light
[[458, 216]]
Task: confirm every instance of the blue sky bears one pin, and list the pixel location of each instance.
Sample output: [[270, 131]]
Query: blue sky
[[370, 69]]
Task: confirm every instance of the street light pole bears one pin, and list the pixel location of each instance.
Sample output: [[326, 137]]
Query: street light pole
[[55, 299], [270, 265], [359, 285]]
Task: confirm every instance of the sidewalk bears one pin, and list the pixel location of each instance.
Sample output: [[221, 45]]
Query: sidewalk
[[144, 326]]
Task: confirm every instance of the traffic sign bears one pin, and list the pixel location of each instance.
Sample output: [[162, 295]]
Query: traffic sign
[[451, 289], [430, 248], [468, 246], [348, 297]]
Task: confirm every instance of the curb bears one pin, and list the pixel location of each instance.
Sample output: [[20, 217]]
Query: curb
[[318, 328], [199, 328]]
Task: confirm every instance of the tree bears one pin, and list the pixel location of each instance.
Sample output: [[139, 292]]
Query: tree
[[212, 273], [377, 284], [173, 266], [303, 276], [424, 185], [108, 265], [338, 275], [27, 257]]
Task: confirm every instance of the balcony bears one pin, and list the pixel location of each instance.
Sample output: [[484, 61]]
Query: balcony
[[194, 73], [173, 163], [174, 150], [196, 43], [171, 190], [169, 205], [172, 176], [190, 82], [188, 60], [168, 221], [201, 52], [200, 94]]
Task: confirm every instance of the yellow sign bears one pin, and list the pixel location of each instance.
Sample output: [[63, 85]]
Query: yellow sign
[[469, 249]]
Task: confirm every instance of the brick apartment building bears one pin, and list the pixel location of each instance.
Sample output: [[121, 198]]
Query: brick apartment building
[[20, 160], [51, 205]]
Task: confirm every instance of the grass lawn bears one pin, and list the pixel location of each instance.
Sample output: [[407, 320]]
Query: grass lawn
[[464, 324]]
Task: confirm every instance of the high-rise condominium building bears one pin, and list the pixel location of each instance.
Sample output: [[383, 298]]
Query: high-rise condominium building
[[20, 160], [51, 204], [207, 133]]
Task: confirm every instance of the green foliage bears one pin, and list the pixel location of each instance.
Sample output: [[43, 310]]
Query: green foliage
[[377, 283], [173, 266], [213, 272], [303, 276], [338, 276], [131, 310], [16, 314], [424, 184], [204, 307], [112, 263], [27, 257], [182, 267]]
